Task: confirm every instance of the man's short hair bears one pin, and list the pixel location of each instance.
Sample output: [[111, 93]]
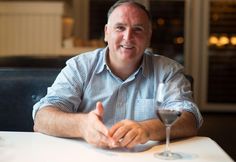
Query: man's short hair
[[120, 2]]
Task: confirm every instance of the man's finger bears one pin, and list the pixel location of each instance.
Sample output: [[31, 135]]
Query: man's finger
[[114, 128], [99, 110]]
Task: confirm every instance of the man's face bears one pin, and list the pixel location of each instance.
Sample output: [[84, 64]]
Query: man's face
[[128, 34]]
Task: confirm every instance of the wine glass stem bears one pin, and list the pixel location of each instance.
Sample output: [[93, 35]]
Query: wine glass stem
[[167, 149]]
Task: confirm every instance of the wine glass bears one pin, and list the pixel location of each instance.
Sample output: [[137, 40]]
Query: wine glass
[[168, 116]]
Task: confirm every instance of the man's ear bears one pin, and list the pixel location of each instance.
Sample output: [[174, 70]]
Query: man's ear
[[105, 33]]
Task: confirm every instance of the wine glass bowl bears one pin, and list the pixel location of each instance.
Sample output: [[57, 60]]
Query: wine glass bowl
[[168, 116]]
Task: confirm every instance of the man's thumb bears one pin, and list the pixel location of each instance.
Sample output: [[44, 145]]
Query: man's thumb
[[99, 111]]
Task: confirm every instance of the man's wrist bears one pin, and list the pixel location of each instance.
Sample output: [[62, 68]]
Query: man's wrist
[[146, 129]]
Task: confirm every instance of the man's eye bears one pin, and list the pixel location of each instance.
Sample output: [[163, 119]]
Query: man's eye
[[120, 28], [138, 29]]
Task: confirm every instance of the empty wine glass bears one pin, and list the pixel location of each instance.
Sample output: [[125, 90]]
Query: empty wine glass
[[168, 116]]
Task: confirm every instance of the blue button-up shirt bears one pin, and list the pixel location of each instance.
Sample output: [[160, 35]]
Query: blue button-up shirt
[[87, 79]]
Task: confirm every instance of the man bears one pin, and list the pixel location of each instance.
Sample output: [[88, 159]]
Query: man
[[108, 96]]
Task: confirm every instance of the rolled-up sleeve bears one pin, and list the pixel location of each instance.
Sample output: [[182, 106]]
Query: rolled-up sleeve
[[189, 106], [177, 93], [65, 92]]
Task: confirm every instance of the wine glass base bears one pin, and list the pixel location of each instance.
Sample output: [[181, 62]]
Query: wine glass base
[[168, 155]]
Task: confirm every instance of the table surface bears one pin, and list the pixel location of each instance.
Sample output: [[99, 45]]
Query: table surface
[[37, 147]]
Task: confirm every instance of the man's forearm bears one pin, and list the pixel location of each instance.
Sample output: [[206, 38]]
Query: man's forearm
[[185, 126], [53, 121], [155, 128]]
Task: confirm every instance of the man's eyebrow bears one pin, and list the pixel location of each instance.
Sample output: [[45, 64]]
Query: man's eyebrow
[[139, 25]]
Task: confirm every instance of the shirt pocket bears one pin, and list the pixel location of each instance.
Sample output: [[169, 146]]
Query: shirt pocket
[[144, 109]]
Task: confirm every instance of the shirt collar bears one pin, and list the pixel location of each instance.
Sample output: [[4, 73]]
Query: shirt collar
[[103, 63], [143, 67]]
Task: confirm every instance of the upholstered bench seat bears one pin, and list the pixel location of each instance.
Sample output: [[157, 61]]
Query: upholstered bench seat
[[20, 89]]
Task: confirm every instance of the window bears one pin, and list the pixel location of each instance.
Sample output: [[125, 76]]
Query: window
[[217, 58], [98, 17], [168, 28], [222, 52]]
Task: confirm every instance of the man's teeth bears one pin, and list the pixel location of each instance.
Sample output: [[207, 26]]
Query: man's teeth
[[127, 46]]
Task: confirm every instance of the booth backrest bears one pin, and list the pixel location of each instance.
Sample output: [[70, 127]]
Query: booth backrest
[[20, 89]]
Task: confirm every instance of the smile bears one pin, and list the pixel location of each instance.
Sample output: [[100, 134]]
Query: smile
[[127, 47]]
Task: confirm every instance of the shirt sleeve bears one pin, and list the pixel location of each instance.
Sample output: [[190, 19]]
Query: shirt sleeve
[[176, 92], [66, 91]]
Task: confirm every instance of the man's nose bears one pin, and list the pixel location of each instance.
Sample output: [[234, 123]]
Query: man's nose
[[128, 34]]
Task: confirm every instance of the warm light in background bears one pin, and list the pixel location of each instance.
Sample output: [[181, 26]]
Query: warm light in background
[[160, 22], [222, 40], [213, 40], [233, 40], [179, 40]]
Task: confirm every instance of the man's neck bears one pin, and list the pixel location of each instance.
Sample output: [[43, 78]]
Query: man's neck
[[123, 71]]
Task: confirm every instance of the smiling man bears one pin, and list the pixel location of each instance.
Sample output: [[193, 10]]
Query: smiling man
[[128, 33], [109, 96]]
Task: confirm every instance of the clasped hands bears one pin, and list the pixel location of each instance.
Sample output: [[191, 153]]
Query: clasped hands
[[126, 133]]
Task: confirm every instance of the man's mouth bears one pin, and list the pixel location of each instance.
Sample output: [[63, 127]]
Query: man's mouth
[[127, 46]]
